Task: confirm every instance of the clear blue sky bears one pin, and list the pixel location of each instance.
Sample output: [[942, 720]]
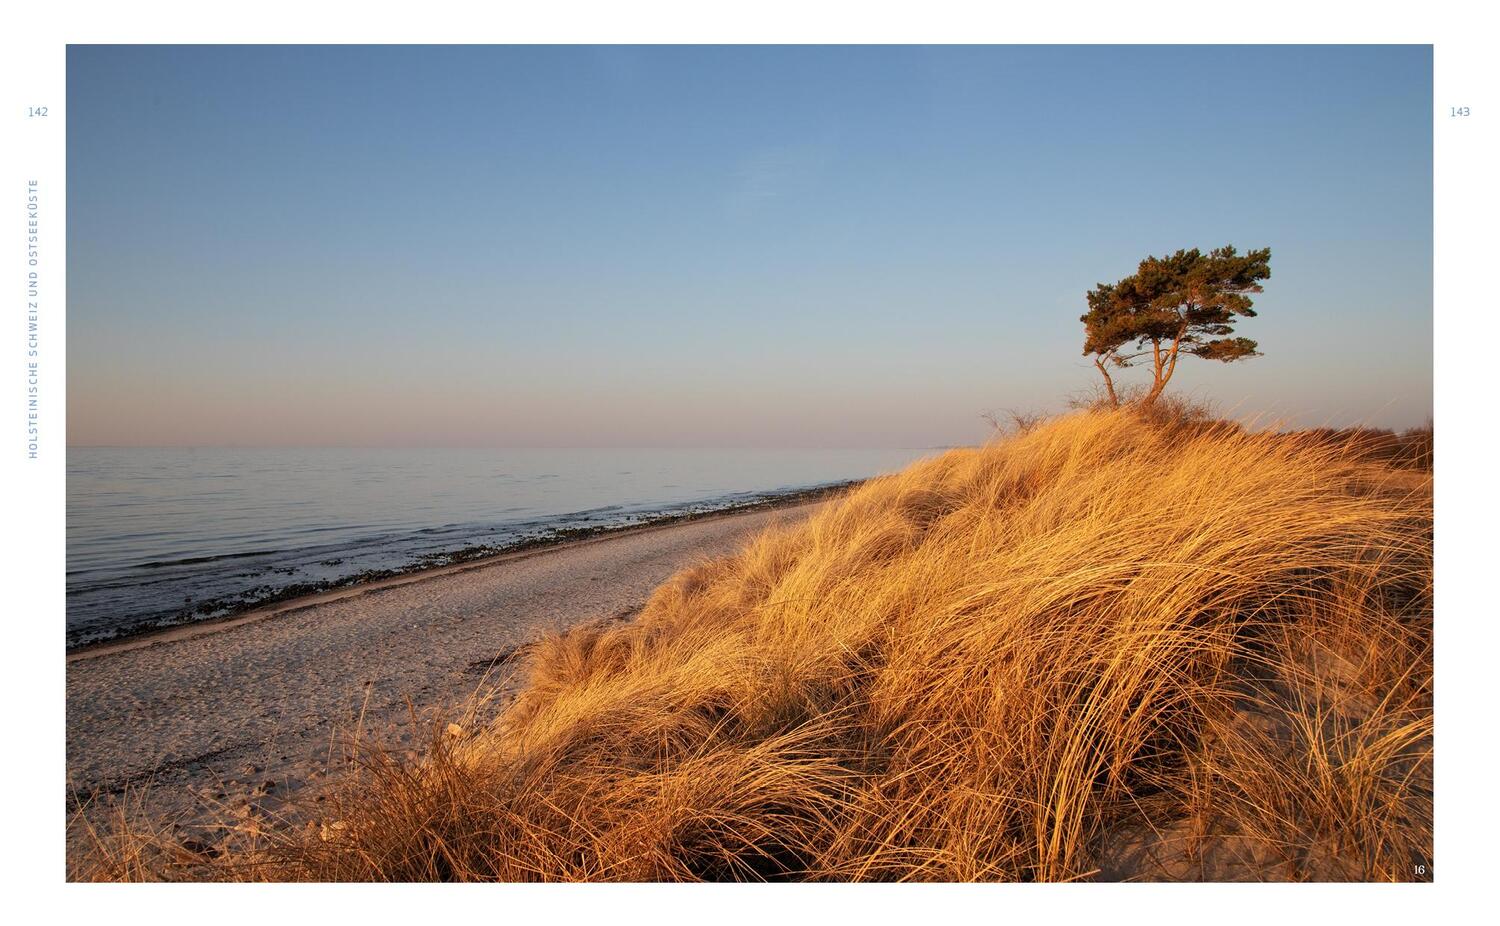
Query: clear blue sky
[[545, 246]]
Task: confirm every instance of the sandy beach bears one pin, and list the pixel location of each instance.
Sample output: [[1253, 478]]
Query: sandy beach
[[245, 713]]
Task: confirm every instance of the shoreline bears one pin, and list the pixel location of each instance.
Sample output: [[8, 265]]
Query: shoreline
[[248, 715], [362, 584]]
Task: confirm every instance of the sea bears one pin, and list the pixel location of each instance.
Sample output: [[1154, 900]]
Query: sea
[[162, 537]]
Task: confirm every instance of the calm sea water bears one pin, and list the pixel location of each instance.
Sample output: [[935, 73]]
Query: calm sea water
[[158, 537]]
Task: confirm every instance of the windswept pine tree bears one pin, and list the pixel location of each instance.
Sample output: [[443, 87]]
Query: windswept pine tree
[[1185, 303]]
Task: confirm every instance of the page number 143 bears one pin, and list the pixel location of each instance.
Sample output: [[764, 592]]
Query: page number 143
[[1456, 111]]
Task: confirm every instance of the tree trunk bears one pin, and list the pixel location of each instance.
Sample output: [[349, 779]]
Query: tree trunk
[[1109, 383], [1157, 382], [1162, 368]]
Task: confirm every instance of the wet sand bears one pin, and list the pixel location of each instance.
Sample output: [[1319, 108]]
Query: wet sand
[[245, 713]]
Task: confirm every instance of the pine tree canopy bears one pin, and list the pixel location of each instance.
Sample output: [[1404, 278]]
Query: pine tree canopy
[[1187, 302]]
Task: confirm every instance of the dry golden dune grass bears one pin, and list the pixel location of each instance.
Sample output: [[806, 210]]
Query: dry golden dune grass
[[1104, 649]]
